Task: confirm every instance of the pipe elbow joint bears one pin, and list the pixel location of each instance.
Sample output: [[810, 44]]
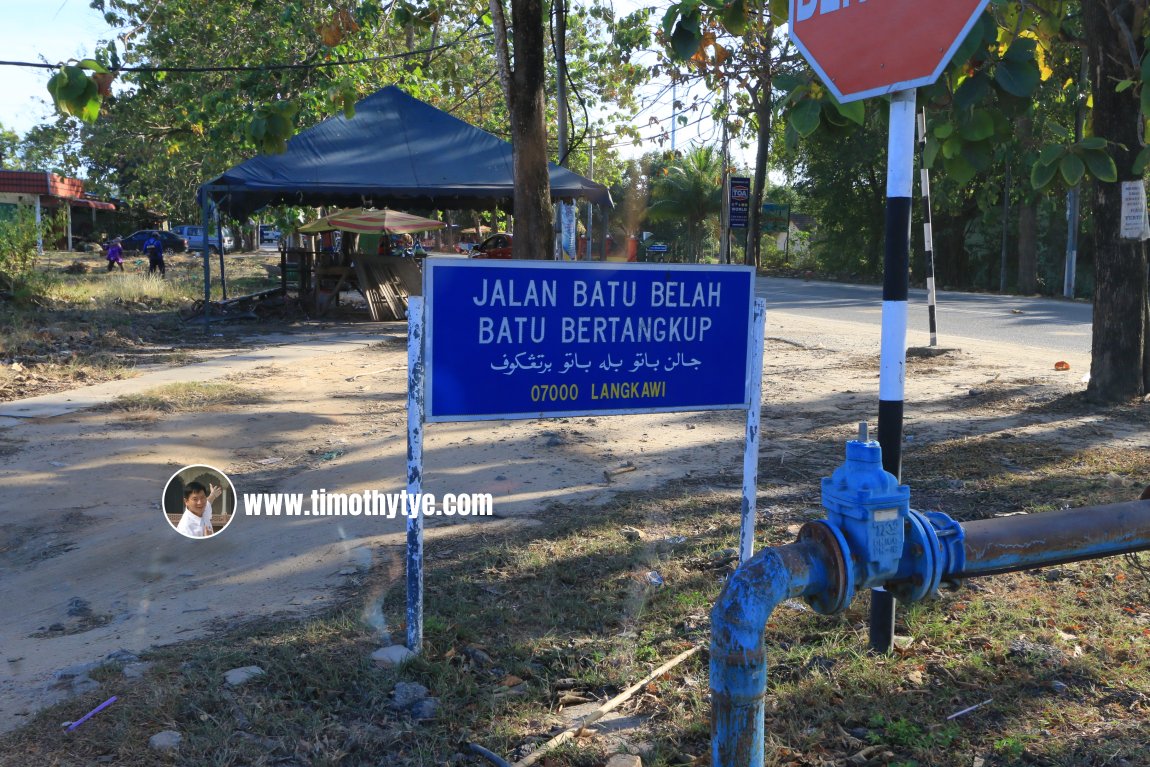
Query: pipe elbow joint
[[738, 650]]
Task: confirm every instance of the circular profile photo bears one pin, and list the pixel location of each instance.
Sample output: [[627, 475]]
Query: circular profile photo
[[199, 501]]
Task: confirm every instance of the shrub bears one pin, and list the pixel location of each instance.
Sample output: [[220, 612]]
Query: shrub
[[20, 236]]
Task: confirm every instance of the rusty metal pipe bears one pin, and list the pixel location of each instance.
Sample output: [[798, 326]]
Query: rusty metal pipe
[[1026, 541], [738, 651]]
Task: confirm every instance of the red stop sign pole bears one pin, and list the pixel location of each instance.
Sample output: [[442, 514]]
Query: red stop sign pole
[[863, 48]]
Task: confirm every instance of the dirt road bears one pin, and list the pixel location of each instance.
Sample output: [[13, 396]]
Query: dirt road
[[89, 565]]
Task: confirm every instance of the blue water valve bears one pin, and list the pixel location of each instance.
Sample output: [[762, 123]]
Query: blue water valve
[[870, 508]]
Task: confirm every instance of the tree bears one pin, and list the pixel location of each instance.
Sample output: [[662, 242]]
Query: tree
[[51, 147], [1116, 42], [734, 44], [994, 77], [523, 79], [844, 177], [691, 192], [9, 141], [991, 80], [172, 129]]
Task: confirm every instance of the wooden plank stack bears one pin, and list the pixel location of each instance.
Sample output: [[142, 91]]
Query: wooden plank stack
[[386, 282]]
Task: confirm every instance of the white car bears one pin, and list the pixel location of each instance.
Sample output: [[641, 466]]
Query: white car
[[269, 237], [195, 237]]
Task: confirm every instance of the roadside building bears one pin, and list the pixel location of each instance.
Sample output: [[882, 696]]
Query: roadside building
[[47, 192]]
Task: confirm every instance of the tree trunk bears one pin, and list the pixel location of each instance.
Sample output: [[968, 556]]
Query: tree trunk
[[1118, 369], [761, 101], [523, 86], [1027, 248], [758, 185], [1027, 217]]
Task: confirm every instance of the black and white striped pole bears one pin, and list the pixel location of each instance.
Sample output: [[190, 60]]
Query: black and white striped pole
[[927, 231], [892, 355]]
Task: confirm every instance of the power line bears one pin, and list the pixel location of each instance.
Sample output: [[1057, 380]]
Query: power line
[[265, 67], [348, 62]]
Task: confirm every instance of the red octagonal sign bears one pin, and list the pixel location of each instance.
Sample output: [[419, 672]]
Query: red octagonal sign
[[863, 48]]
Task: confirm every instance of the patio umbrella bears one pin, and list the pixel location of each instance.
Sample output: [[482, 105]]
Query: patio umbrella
[[363, 221]]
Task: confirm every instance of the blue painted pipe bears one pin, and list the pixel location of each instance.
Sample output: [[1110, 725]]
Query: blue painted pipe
[[738, 651], [1026, 541], [490, 756], [819, 567]]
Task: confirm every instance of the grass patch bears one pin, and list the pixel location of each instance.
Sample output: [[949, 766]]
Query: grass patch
[[523, 624], [187, 396], [97, 325], [16, 379], [129, 287], [978, 477]]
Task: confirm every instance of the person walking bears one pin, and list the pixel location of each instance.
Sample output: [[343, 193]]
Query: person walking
[[154, 249], [115, 255]]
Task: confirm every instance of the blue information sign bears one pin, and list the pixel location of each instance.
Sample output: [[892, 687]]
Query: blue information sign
[[529, 339]]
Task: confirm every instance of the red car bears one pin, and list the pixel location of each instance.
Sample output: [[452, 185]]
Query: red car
[[495, 246]]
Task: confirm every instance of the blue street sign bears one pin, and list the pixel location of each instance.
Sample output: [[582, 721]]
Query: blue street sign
[[532, 339], [657, 248]]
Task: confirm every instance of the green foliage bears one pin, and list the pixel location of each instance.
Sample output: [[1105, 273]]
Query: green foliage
[[681, 27], [9, 142], [734, 16], [19, 237], [165, 133], [689, 190], [273, 125], [76, 93], [1017, 73], [1011, 748], [906, 734], [810, 106], [844, 182], [51, 147], [1073, 162]]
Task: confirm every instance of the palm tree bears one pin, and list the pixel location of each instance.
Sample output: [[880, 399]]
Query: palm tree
[[689, 191]]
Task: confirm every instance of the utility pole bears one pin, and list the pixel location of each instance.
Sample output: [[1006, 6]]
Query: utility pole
[[1005, 215], [560, 42], [892, 354], [1072, 197], [927, 232], [725, 216], [590, 205]]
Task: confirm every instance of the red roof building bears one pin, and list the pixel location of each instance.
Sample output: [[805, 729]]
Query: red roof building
[[47, 190]]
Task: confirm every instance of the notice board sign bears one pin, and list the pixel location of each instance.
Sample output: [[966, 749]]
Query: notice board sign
[[776, 217], [1135, 225], [740, 201], [534, 339]]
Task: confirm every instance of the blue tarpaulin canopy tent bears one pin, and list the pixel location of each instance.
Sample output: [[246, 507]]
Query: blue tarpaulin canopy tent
[[397, 151]]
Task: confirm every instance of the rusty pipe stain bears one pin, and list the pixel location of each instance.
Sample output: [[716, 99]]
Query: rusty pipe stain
[[1026, 541]]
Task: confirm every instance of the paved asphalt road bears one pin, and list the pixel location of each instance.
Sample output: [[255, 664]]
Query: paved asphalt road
[[1039, 322]]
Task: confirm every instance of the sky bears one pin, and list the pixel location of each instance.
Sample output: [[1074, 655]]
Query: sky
[[58, 30], [40, 30]]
